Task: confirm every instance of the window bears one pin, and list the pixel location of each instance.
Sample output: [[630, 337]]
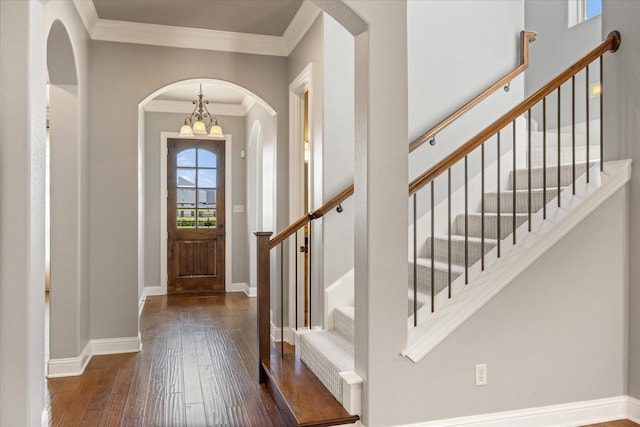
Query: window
[[196, 187], [582, 10]]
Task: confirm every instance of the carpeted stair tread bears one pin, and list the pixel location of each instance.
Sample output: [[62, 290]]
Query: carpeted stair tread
[[326, 354], [441, 248], [522, 200], [490, 222], [441, 274], [537, 176]]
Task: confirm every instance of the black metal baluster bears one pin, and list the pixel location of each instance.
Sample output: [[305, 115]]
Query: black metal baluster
[[544, 157], [559, 126], [482, 206], [529, 164], [498, 191], [573, 134], [514, 185], [466, 222], [587, 96], [297, 258], [449, 226], [282, 300], [601, 116], [310, 244], [415, 260], [433, 254]]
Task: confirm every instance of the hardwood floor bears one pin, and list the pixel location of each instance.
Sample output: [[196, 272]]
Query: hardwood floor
[[198, 367], [619, 423]]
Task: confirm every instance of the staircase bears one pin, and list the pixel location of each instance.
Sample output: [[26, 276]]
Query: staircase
[[488, 241], [329, 353]]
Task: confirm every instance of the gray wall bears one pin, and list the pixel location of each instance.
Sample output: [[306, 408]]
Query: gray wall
[[338, 147], [622, 139], [122, 76], [443, 77], [155, 123], [578, 326], [557, 47]]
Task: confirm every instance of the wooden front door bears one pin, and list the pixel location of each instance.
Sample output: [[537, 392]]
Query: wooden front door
[[195, 215]]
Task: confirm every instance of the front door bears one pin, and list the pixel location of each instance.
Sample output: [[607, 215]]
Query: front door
[[195, 215]]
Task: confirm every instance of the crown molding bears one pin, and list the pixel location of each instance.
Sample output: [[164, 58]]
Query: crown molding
[[300, 24], [184, 107], [195, 38]]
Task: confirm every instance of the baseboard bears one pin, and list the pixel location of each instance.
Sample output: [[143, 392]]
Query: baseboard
[[70, 366], [116, 345], [148, 292], [570, 414], [243, 287], [74, 366], [633, 409], [276, 334]]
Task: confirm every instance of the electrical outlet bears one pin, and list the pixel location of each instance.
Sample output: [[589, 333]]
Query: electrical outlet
[[481, 374]]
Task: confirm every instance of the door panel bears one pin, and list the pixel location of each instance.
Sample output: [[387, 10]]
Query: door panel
[[195, 206]]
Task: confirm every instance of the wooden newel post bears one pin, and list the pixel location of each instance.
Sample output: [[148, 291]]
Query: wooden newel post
[[264, 299]]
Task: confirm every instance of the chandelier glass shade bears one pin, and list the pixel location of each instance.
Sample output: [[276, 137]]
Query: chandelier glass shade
[[201, 119]]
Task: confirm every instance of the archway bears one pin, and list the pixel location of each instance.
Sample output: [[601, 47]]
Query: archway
[[66, 214], [152, 184]]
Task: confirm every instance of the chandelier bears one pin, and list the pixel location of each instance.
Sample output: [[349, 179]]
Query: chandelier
[[195, 123]]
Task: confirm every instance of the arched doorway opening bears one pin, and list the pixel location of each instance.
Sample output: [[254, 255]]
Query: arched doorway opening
[[160, 115]]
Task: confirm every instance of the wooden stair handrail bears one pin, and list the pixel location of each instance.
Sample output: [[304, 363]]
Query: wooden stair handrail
[[611, 44], [304, 220], [526, 38]]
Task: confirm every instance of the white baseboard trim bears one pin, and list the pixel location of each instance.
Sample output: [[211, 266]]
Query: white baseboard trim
[[569, 414], [633, 409], [70, 366], [276, 334], [243, 287], [116, 345], [74, 366], [148, 292]]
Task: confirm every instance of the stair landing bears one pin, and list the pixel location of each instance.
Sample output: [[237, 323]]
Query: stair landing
[[299, 394]]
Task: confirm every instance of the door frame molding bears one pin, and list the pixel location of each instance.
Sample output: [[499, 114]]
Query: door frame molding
[[228, 191], [303, 82]]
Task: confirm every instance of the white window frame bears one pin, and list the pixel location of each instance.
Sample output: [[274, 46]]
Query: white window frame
[[577, 12]]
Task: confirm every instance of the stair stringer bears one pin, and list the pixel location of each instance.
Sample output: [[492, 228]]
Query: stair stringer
[[450, 314]]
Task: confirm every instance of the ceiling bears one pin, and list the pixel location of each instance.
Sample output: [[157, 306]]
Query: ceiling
[[263, 27], [264, 17]]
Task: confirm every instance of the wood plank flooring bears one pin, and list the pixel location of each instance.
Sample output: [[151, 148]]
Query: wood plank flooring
[[299, 394], [619, 423], [198, 367]]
